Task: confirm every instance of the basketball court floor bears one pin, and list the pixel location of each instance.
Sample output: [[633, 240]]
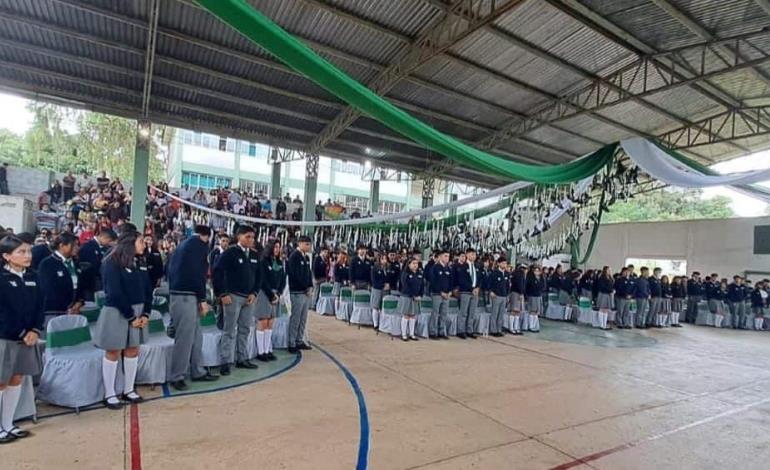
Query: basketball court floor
[[570, 397]]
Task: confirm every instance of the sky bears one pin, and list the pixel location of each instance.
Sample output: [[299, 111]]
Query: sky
[[15, 117]]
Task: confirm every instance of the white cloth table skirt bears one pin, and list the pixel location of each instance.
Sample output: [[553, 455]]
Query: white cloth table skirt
[[451, 326], [155, 359], [26, 407], [362, 316], [587, 316], [390, 323]]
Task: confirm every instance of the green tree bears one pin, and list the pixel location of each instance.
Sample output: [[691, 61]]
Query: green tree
[[63, 139], [668, 204]]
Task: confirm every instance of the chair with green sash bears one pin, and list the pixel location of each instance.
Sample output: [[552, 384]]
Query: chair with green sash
[[211, 336], [155, 354], [160, 304], [99, 298], [423, 318], [325, 305], [452, 313], [72, 372], [345, 304], [586, 314], [555, 311], [91, 311], [390, 319], [362, 308]]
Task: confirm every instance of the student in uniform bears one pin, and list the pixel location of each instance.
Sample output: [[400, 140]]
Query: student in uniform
[[21, 323], [694, 296], [379, 282], [320, 273], [440, 283], [664, 306], [341, 272], [757, 304], [411, 289], [499, 288], [466, 283], [586, 285], [154, 260], [187, 273], [535, 288], [518, 296], [605, 288], [642, 296], [678, 296], [623, 295], [736, 302], [58, 278], [235, 286], [486, 281], [720, 296], [90, 256], [360, 269], [655, 298], [300, 289], [122, 323], [272, 281], [40, 251], [711, 289], [223, 240], [394, 274]]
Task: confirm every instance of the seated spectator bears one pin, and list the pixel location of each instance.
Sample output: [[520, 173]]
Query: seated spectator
[[43, 199], [103, 182], [46, 218]]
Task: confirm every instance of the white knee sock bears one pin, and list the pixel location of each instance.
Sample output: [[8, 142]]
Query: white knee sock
[[11, 397], [404, 327], [268, 341], [412, 323], [674, 318], [376, 317], [129, 369], [758, 323], [109, 370], [718, 321], [261, 342]]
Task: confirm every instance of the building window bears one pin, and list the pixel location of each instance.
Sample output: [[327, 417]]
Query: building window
[[254, 187], [243, 148], [351, 203], [388, 207], [197, 180], [347, 167]]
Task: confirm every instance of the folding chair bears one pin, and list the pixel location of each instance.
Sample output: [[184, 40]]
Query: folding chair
[[155, 354], [345, 303], [325, 305], [362, 308], [390, 321]]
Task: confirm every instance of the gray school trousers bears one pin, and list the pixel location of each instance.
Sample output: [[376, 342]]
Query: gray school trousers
[[300, 303], [188, 338], [238, 318]]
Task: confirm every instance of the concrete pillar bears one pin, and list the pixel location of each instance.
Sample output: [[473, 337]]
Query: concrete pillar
[[141, 173], [275, 179], [453, 211], [374, 197], [311, 185], [237, 177]]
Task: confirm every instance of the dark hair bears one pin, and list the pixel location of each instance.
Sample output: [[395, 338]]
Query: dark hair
[[26, 237], [107, 233], [267, 253], [305, 239], [128, 227], [8, 244], [65, 238], [124, 252], [243, 230], [203, 230]]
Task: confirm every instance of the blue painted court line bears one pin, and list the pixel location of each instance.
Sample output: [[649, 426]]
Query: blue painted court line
[[363, 442]]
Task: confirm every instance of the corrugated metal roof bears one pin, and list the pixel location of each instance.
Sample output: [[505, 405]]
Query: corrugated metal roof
[[209, 76]]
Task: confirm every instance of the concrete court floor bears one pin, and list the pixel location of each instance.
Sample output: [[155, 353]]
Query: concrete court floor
[[692, 398]]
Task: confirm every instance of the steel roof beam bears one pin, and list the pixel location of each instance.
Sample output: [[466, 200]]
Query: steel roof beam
[[149, 64], [449, 29], [704, 34], [733, 124]]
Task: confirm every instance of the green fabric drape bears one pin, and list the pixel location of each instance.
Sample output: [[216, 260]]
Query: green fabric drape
[[260, 29], [575, 259]]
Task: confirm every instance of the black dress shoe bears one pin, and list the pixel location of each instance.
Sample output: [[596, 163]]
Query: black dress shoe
[[134, 400], [180, 385], [414, 338], [496, 335], [262, 357], [113, 405], [7, 438], [246, 365], [209, 377], [271, 357], [435, 338], [19, 433], [404, 338], [304, 347], [443, 337], [472, 335], [293, 350], [224, 370], [462, 336]]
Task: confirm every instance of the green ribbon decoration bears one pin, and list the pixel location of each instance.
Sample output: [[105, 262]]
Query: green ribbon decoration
[[295, 54]]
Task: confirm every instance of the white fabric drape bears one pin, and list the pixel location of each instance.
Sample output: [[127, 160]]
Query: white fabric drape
[[662, 166], [509, 188]]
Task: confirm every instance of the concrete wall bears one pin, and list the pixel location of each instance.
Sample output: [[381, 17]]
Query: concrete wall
[[16, 213], [28, 180], [724, 246]]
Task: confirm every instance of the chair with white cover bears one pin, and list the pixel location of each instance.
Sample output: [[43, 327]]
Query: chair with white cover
[[587, 315], [91, 311], [423, 318], [155, 354], [555, 310], [325, 305], [211, 336], [72, 371], [453, 312], [390, 320], [345, 304], [362, 308]]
